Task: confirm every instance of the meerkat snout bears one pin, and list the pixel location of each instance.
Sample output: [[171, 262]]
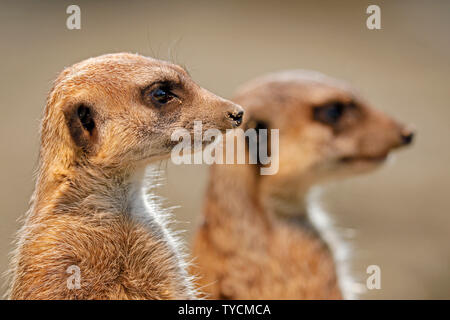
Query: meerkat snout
[[236, 116], [407, 136]]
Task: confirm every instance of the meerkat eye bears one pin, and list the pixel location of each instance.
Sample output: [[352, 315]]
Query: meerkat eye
[[162, 95], [329, 113]]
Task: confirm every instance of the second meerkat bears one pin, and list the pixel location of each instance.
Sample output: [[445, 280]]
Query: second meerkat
[[258, 238], [106, 118]]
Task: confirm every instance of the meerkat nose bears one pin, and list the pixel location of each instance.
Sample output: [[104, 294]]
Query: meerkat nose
[[407, 138], [236, 116]]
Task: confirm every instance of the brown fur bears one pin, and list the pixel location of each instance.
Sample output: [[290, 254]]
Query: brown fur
[[88, 208], [257, 240]]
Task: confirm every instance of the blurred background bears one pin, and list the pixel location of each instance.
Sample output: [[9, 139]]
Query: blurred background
[[400, 214]]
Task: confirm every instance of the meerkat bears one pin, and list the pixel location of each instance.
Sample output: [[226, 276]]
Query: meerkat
[[259, 238], [105, 120]]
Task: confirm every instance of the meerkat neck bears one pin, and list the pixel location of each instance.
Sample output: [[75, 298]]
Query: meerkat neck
[[232, 206], [122, 196], [241, 185], [67, 189], [235, 197], [143, 207], [232, 189], [287, 205]]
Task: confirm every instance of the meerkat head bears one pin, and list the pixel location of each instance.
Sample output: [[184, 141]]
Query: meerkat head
[[326, 130], [119, 109]]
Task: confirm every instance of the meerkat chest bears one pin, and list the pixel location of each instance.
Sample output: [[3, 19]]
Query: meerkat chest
[[291, 264], [87, 258]]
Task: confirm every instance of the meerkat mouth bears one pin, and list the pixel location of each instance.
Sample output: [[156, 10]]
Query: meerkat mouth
[[369, 159]]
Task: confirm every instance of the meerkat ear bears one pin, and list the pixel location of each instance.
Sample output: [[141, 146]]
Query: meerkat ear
[[82, 126]]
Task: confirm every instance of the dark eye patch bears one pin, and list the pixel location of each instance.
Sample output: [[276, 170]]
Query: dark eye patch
[[329, 113], [160, 93]]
